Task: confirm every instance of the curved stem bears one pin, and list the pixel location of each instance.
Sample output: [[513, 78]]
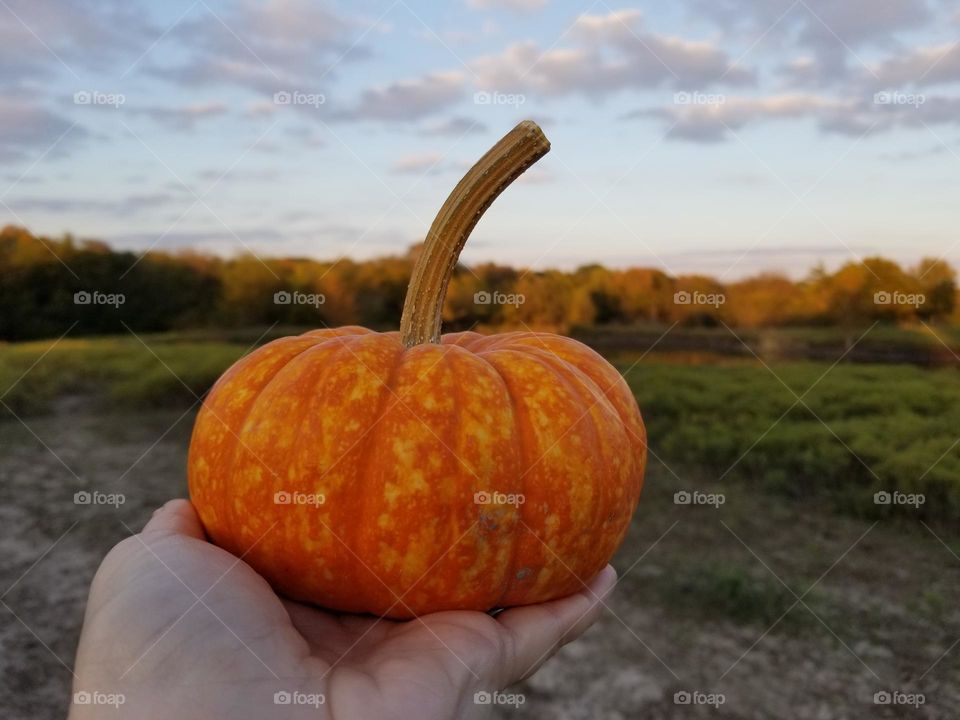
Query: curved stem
[[500, 166]]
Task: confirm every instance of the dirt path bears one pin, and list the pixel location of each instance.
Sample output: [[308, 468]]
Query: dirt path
[[701, 589]]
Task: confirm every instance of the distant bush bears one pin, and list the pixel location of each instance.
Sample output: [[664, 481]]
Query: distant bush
[[42, 278]]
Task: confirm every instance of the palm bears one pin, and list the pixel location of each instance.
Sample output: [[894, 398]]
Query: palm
[[175, 623]]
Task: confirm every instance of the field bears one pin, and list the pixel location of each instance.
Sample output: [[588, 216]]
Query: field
[[759, 565]]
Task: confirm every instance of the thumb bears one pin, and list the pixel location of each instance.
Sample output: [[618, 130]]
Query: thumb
[[176, 517], [538, 631]]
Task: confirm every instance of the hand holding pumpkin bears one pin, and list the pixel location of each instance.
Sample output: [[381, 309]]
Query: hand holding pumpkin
[[182, 629]]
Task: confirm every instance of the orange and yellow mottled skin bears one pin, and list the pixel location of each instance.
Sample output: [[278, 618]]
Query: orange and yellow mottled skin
[[398, 442]]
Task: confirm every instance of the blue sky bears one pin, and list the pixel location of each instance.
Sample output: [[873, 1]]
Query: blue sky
[[718, 136]]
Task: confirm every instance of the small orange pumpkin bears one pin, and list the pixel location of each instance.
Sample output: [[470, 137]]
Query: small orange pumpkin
[[405, 473]]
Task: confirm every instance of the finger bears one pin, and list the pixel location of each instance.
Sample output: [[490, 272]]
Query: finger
[[538, 631], [176, 517]]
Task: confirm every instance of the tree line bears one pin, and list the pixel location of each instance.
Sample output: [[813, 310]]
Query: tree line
[[48, 284]]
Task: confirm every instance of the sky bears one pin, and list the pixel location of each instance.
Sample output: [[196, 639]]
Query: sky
[[726, 137]]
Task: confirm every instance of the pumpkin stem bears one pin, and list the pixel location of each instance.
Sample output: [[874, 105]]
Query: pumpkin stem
[[501, 165]]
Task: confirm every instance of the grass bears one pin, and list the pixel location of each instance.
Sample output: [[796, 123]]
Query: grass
[[798, 429], [117, 371]]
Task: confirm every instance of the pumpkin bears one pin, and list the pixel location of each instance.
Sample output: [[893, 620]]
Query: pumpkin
[[404, 473]]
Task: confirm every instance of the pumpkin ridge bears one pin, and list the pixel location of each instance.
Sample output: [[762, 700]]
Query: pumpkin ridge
[[236, 431], [522, 453], [354, 540], [330, 363], [589, 397], [606, 391]]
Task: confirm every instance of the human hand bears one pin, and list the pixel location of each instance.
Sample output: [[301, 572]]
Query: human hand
[[179, 628]]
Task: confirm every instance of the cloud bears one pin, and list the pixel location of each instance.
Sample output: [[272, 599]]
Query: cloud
[[424, 163], [263, 46], [817, 23], [128, 205], [921, 66], [27, 130], [714, 122], [609, 53], [409, 99], [184, 118], [39, 39], [832, 32], [456, 126], [520, 5]]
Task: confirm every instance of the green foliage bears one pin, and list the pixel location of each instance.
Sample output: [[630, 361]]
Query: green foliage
[[857, 430], [120, 371]]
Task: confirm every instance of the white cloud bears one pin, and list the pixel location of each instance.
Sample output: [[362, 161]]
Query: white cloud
[[521, 5], [27, 129], [182, 118], [409, 99], [610, 53], [708, 123], [270, 46], [418, 164], [921, 66], [456, 126]]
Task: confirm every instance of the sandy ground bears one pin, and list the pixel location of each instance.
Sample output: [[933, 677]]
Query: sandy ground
[[886, 607]]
